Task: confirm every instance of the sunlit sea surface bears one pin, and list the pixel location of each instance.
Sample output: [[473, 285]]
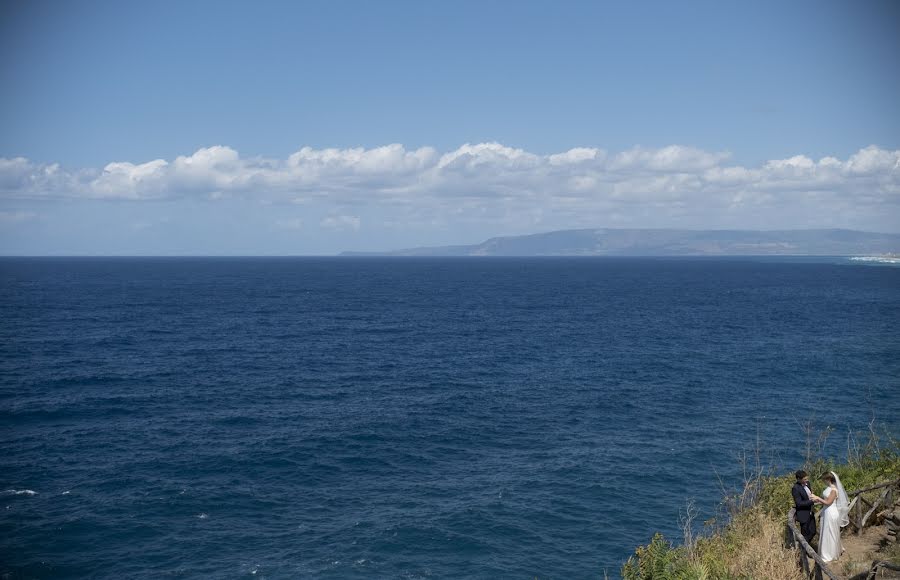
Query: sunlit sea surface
[[411, 418]]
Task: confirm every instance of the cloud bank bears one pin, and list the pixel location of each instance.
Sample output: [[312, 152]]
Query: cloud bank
[[640, 186]]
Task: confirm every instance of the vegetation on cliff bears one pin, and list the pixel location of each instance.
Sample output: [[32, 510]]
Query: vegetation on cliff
[[748, 541]]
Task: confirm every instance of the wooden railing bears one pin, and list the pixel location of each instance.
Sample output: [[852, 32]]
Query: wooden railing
[[876, 567], [859, 516], [820, 568]]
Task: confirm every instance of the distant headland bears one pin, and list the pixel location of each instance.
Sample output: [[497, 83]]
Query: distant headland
[[670, 242]]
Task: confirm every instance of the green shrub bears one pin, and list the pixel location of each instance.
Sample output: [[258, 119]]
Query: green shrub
[[658, 560]]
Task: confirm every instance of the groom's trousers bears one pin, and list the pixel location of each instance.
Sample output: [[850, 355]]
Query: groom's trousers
[[808, 528]]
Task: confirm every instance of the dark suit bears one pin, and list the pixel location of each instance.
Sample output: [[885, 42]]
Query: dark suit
[[804, 513]]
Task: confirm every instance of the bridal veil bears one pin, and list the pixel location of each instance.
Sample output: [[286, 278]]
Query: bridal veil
[[842, 502]]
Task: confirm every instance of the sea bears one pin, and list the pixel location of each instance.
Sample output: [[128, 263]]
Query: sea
[[411, 418]]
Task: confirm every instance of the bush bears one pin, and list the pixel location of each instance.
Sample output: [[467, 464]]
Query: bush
[[657, 560]]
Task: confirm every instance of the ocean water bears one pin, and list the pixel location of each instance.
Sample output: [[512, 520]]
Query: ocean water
[[410, 418]]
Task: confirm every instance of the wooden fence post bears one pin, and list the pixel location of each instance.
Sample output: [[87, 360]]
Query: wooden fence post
[[889, 500], [820, 569], [859, 517]]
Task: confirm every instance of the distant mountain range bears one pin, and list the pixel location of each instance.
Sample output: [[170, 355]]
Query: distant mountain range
[[649, 242]]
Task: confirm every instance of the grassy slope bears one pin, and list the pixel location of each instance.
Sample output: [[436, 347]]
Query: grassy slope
[[750, 546]]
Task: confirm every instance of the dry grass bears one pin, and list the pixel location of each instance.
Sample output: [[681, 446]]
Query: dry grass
[[761, 553], [749, 548], [751, 545]]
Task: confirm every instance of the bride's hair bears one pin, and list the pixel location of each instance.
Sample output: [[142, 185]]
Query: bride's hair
[[828, 477]]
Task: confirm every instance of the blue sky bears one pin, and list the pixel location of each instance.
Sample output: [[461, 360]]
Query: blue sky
[[432, 123]]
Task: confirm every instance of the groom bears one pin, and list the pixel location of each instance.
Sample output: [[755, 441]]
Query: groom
[[804, 505]]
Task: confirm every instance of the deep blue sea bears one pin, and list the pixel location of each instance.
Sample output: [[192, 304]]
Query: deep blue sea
[[410, 418]]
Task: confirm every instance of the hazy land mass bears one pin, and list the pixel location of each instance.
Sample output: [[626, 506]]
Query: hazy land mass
[[669, 242]]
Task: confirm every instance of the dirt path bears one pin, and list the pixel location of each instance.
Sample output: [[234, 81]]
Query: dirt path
[[860, 551]]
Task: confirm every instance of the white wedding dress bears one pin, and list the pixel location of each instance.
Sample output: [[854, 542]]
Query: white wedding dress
[[834, 517]]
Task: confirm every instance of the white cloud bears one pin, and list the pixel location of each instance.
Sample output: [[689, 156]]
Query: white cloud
[[123, 179], [673, 158], [341, 222], [675, 185], [487, 154], [797, 164], [576, 155], [390, 159], [289, 224], [13, 217], [872, 160]]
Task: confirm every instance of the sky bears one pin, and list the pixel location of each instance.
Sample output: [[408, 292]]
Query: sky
[[309, 128]]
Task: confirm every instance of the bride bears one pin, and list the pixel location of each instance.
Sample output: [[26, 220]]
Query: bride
[[833, 517]]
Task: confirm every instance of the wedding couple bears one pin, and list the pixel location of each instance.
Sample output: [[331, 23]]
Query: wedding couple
[[833, 517]]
